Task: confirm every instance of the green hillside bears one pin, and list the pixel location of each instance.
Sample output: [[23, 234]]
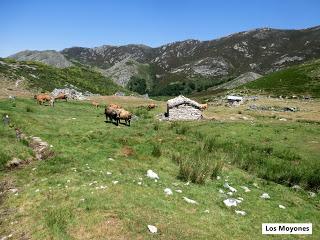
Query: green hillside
[[301, 80], [41, 77]]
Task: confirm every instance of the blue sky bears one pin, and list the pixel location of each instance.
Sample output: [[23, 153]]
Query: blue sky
[[57, 24]]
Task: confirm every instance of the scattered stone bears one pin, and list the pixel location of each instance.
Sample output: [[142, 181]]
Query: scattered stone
[[230, 193], [256, 185], [13, 190], [139, 183], [296, 187], [37, 190], [82, 199], [187, 183], [265, 196], [151, 174], [15, 162], [188, 200], [231, 202], [115, 182], [283, 119], [312, 194], [152, 229], [168, 191], [207, 211], [282, 207], [40, 148], [232, 189], [218, 177], [33, 169], [242, 213], [109, 173], [221, 191], [240, 198], [110, 159], [246, 189], [179, 191]]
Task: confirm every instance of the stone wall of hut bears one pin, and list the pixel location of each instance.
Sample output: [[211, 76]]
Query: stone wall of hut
[[184, 112]]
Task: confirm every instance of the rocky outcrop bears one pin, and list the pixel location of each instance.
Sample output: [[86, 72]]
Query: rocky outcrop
[[49, 57], [122, 71], [72, 93]]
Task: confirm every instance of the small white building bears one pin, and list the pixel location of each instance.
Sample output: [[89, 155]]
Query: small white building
[[182, 108], [234, 100]]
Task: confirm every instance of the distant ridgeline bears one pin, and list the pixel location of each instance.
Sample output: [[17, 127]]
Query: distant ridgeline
[[186, 67]]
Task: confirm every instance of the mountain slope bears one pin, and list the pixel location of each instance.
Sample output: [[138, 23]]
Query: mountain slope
[[37, 76], [303, 79], [49, 57], [203, 64], [238, 81]]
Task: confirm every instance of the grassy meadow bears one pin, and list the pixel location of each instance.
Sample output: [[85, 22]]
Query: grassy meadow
[[95, 185]]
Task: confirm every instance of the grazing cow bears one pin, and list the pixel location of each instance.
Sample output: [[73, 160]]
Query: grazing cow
[[95, 104], [111, 114], [124, 115], [61, 96], [204, 106], [151, 106], [114, 106], [42, 98]]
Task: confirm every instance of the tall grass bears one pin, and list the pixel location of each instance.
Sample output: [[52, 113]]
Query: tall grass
[[200, 166], [156, 150], [280, 164]]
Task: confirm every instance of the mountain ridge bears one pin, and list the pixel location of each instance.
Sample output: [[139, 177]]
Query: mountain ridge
[[260, 50]]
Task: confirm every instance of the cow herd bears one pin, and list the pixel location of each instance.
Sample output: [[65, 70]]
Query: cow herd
[[114, 113], [43, 98]]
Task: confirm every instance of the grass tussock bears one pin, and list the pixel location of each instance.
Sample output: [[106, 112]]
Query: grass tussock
[[57, 221], [200, 167], [29, 109], [156, 150]]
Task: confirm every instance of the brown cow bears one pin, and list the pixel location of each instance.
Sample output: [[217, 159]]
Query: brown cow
[[204, 106], [151, 106], [115, 106], [111, 114], [61, 96], [124, 115], [42, 98], [95, 104]]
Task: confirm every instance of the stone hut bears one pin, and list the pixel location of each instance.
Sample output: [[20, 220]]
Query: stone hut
[[234, 100], [182, 108]]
